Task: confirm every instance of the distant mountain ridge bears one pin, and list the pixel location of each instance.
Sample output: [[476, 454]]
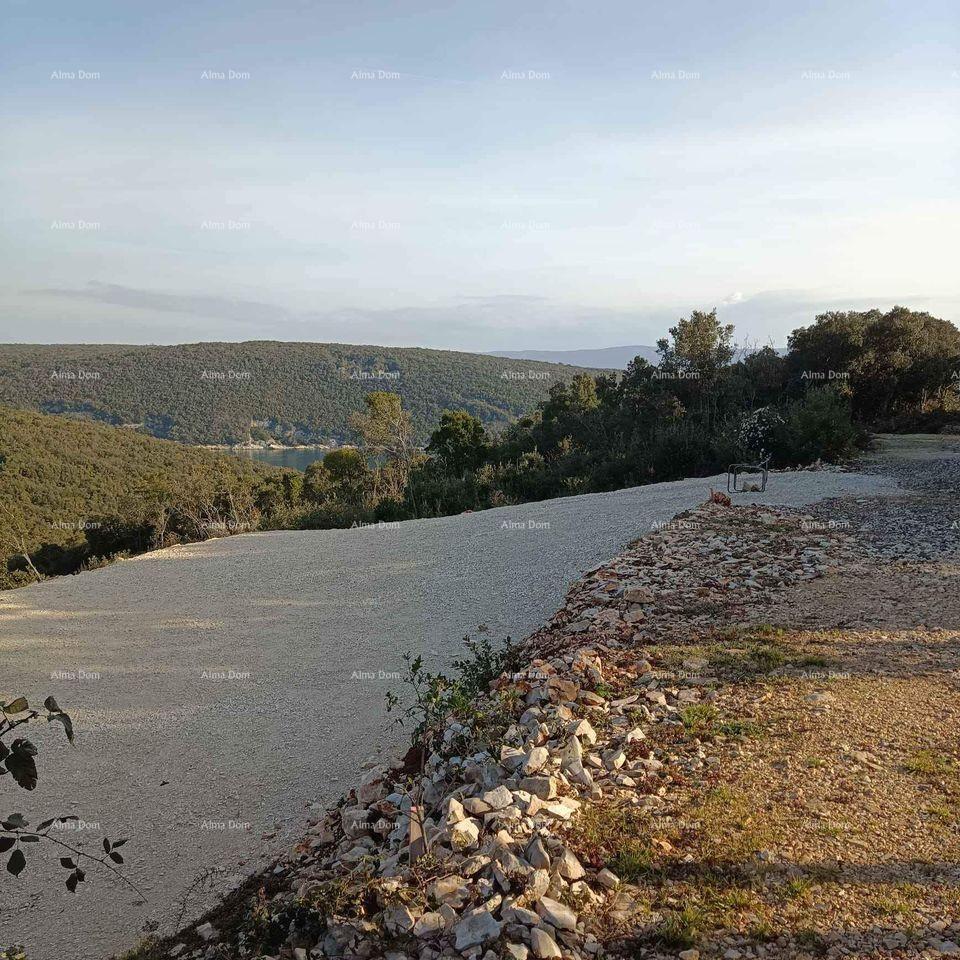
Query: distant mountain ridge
[[602, 358], [265, 391]]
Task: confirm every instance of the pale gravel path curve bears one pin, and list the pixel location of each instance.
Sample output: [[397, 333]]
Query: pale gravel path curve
[[299, 612]]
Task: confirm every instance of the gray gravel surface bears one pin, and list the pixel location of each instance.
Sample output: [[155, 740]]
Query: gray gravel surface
[[221, 687], [922, 525]]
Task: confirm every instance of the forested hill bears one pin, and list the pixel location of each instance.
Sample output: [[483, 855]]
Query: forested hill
[[226, 393], [65, 485]]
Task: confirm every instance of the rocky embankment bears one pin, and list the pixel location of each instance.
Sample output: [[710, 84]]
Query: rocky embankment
[[524, 831]]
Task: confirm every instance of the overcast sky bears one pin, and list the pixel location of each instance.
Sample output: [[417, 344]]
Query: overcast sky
[[477, 175]]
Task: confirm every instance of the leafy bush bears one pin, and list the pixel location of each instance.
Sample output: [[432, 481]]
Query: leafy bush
[[818, 427]]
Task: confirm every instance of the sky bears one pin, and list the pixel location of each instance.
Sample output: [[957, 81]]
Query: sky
[[473, 176]]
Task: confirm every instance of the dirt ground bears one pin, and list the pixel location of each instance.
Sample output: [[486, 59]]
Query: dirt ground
[[831, 825]]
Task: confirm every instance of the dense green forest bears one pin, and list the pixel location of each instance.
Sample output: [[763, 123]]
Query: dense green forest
[[73, 493], [232, 393]]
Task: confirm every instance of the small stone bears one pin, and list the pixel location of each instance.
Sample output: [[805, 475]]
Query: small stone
[[557, 914], [691, 954], [536, 854], [511, 757], [544, 946], [565, 689], [569, 867], [446, 888], [538, 884], [517, 950], [208, 932], [607, 878], [474, 864], [398, 919], [578, 773], [475, 806], [498, 798], [543, 787], [476, 928], [562, 809], [583, 730], [454, 811], [522, 915], [464, 834], [429, 925], [536, 760]]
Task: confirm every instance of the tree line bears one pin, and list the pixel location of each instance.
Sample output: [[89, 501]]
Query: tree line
[[693, 413]]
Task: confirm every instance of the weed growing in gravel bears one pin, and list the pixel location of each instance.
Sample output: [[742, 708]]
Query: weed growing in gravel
[[616, 837], [930, 763], [437, 696], [703, 720], [943, 813], [833, 830], [753, 652], [679, 928], [888, 906], [810, 940], [699, 719], [797, 888], [730, 827]]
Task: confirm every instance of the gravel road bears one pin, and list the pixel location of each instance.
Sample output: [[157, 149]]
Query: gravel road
[[219, 688]]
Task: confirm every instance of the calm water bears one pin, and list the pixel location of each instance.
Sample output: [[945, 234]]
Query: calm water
[[298, 459]]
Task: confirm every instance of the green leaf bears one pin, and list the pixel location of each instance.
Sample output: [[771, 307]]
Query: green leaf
[[6, 843], [115, 857], [67, 862], [72, 882], [51, 705], [106, 845], [16, 863], [120, 843], [30, 838], [14, 821], [16, 706]]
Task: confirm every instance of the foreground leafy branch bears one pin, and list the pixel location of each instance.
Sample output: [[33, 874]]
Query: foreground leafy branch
[[18, 760]]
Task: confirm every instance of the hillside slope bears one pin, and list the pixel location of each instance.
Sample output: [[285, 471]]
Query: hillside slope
[[213, 393], [57, 474]]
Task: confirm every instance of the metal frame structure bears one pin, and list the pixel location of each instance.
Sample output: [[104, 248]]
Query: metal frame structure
[[737, 470]]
